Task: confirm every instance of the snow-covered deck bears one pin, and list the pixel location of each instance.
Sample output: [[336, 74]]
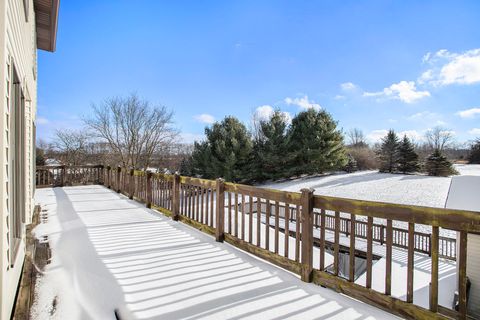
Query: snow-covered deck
[[110, 252]]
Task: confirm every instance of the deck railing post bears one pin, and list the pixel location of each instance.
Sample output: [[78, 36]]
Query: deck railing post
[[119, 172], [306, 219], [149, 189], [220, 212], [176, 197], [131, 183]]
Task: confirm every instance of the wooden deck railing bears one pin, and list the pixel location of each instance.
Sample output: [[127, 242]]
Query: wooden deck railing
[[56, 176], [290, 230]]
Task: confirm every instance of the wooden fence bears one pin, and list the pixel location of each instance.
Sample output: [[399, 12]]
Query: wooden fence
[[257, 220]]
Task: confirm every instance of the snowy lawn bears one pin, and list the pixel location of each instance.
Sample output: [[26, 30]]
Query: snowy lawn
[[109, 252], [375, 186], [384, 187]]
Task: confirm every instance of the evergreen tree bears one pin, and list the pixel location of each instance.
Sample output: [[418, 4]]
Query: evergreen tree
[[407, 157], [438, 165], [388, 152], [315, 143], [351, 165], [186, 167], [225, 153], [200, 163], [474, 156], [271, 148]]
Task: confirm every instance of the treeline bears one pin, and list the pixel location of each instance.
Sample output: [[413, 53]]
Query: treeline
[[399, 155], [311, 144]]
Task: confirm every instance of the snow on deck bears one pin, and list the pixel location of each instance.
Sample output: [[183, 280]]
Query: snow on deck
[[110, 252]]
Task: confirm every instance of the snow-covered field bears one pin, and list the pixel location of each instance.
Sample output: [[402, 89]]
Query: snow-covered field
[[385, 187]]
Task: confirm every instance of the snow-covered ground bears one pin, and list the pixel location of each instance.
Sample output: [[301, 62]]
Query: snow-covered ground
[[417, 190], [375, 186], [110, 252], [385, 187], [468, 169]]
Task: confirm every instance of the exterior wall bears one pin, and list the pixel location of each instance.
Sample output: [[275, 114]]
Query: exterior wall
[[17, 49], [473, 273]]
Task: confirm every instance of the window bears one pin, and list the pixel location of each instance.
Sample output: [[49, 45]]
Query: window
[[16, 166]]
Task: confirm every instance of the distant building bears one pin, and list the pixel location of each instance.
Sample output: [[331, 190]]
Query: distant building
[[25, 26]]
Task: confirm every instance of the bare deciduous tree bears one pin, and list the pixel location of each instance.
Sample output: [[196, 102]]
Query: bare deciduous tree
[[439, 138], [356, 138], [71, 145], [133, 128]]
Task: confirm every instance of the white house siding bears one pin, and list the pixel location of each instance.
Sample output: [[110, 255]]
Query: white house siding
[[17, 48]]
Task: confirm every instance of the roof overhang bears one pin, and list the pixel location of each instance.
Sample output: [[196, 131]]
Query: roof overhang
[[46, 17]]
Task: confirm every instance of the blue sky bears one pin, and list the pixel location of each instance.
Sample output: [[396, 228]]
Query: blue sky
[[374, 65]]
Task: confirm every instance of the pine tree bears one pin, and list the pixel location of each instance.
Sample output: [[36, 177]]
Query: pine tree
[[315, 143], [474, 156], [228, 150], [201, 161], [407, 157], [351, 165], [271, 148], [438, 165], [388, 152]]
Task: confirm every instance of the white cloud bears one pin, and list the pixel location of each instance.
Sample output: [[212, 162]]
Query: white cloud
[[205, 118], [405, 91], [421, 115], [425, 77], [452, 68], [348, 86], [469, 113], [475, 132], [427, 118], [413, 135], [265, 112], [376, 135], [41, 121], [187, 137], [303, 102], [339, 97]]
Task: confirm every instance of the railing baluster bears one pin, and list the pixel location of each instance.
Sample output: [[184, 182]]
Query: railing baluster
[[369, 251], [411, 229], [211, 206], [434, 268], [388, 264], [236, 214], [336, 244], [352, 248], [297, 234], [259, 222], [322, 239], [267, 224], [243, 216], [250, 218], [287, 229], [230, 213], [277, 225]]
